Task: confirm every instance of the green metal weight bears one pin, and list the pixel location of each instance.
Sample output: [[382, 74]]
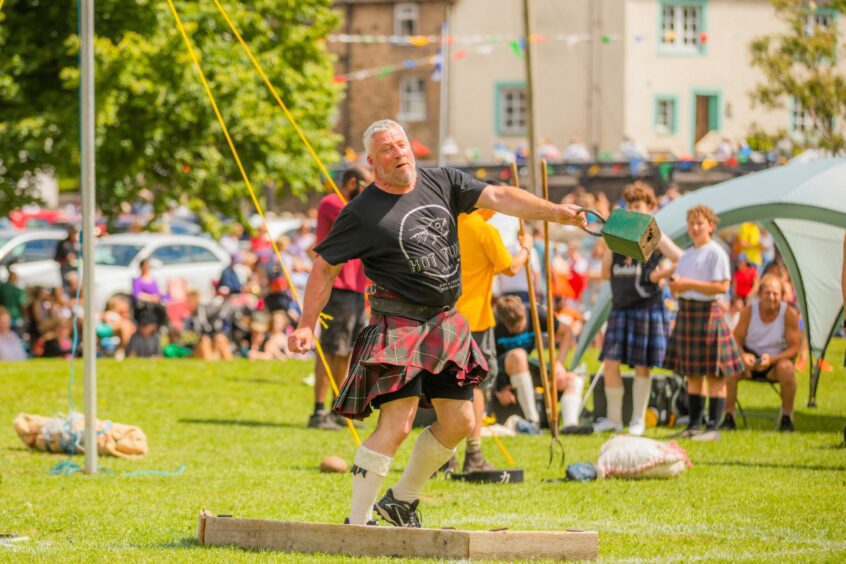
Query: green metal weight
[[632, 234]]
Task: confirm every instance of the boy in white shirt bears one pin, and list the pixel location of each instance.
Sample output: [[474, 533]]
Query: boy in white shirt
[[701, 346]]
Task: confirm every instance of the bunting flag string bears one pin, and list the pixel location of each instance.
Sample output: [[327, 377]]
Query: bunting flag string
[[479, 39]]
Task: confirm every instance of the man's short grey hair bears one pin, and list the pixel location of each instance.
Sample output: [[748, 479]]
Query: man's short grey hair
[[376, 127]]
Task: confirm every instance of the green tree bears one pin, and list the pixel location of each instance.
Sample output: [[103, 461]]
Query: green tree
[[800, 64], [155, 128]]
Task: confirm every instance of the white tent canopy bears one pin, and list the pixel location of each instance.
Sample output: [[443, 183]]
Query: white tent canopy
[[804, 207]]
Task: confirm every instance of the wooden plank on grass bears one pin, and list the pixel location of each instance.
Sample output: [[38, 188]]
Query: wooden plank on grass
[[358, 540]]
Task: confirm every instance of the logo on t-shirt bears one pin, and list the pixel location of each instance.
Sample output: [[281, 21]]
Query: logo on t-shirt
[[425, 242]]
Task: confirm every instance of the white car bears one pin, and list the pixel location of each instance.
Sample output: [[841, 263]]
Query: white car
[[29, 253], [198, 260]]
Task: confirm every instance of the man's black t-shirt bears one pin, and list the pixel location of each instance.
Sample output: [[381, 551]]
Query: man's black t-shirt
[[630, 284], [408, 243]]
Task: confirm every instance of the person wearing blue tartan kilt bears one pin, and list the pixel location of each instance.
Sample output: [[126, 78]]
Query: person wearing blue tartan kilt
[[702, 346], [638, 326], [417, 348]]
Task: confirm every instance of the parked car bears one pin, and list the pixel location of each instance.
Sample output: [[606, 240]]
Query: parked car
[[198, 260], [30, 254]]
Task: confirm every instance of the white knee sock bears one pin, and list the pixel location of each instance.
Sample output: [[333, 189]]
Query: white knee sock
[[641, 388], [522, 384], [571, 401], [426, 457], [615, 405], [369, 469]]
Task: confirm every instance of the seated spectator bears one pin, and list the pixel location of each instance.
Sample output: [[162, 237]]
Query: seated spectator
[[744, 279], [270, 342], [768, 332], [515, 341], [229, 282], [39, 312], [57, 339], [11, 347], [145, 342], [117, 322], [13, 299], [147, 296], [212, 322]]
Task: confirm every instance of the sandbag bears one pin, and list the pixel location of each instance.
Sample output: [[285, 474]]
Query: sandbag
[[627, 456], [66, 435]]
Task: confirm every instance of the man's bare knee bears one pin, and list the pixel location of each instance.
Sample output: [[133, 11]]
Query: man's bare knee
[[784, 372], [516, 361]]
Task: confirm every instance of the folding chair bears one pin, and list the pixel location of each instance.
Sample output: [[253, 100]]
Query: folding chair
[[760, 380]]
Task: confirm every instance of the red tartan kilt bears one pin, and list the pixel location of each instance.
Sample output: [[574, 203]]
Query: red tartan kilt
[[392, 350], [702, 343]]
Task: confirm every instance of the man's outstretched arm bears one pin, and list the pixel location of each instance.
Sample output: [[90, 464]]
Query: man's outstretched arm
[[519, 203], [317, 291]]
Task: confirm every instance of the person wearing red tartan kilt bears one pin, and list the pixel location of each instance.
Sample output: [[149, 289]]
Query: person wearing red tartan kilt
[[417, 349], [702, 346]]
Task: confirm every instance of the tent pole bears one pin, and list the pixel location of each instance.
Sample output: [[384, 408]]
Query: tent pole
[[89, 339]]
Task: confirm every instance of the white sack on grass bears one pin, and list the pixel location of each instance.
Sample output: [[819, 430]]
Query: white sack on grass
[[65, 435], [626, 456]]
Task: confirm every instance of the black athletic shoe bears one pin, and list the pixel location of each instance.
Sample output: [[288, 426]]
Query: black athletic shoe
[[398, 513], [729, 424], [372, 523], [786, 424]]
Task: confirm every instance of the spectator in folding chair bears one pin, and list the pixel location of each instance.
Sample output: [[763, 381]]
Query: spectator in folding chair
[[768, 332]]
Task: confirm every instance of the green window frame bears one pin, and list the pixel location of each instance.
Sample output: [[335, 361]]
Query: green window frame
[[675, 20], [665, 114], [508, 112]]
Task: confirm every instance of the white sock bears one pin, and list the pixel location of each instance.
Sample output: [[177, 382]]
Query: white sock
[[571, 401], [525, 388], [426, 457], [641, 390], [615, 405], [369, 469]]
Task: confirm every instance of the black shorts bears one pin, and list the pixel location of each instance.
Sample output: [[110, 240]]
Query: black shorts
[[347, 310], [432, 386]]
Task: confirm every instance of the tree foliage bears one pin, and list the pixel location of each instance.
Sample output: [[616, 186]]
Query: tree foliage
[[155, 128], [801, 64]]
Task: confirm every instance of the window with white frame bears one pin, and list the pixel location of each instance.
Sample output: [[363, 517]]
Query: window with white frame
[[412, 96], [405, 18], [665, 115], [681, 26], [824, 20], [512, 111]]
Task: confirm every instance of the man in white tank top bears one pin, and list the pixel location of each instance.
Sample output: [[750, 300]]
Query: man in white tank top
[[768, 332]]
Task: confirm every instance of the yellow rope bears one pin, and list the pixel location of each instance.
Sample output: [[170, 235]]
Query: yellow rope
[[252, 195], [278, 99], [489, 422]]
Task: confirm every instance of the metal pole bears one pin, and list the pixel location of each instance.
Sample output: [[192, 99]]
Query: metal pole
[[444, 90], [530, 101], [88, 211]]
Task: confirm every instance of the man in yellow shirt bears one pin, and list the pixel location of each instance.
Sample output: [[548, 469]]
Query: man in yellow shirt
[[483, 256], [749, 242]]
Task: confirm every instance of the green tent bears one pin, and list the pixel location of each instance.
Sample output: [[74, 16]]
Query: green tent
[[803, 206]]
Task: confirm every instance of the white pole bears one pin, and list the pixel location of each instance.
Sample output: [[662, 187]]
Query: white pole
[[444, 91], [88, 211]]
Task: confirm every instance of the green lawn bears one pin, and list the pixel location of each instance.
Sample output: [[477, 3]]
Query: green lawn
[[239, 429]]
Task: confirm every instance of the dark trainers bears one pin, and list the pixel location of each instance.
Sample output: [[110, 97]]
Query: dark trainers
[[786, 424], [342, 421], [729, 424], [450, 465], [323, 420], [371, 523], [398, 513], [474, 461]]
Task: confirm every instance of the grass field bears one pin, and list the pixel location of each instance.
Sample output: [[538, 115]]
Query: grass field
[[239, 429]]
